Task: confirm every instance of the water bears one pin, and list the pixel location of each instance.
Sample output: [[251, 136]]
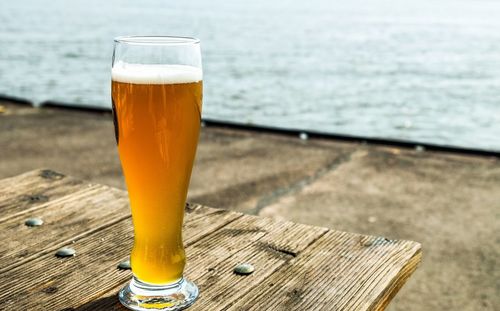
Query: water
[[422, 70]]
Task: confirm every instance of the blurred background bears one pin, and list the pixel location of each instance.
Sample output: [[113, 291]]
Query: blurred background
[[418, 70], [415, 70]]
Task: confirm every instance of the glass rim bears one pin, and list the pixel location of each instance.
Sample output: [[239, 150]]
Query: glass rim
[[157, 40]]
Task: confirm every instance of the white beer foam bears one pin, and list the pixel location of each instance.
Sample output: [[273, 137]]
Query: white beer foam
[[155, 74]]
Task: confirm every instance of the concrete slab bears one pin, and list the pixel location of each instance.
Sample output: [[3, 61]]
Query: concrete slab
[[448, 203]]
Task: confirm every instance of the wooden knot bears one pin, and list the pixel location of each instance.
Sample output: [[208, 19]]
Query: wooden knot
[[36, 198], [50, 290]]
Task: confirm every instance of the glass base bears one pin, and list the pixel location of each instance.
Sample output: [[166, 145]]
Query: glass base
[[137, 295]]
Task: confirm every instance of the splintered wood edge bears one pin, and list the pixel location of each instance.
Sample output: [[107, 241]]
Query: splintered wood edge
[[383, 286], [398, 281]]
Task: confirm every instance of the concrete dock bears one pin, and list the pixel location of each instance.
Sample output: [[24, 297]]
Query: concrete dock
[[449, 202]]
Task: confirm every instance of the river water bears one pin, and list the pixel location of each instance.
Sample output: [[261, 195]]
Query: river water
[[421, 70]]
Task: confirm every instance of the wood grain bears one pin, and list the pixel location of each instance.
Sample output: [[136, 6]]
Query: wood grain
[[278, 244], [297, 267], [51, 283], [265, 243], [65, 219], [341, 271], [28, 191]]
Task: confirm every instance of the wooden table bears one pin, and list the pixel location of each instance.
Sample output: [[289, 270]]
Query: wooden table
[[298, 267]]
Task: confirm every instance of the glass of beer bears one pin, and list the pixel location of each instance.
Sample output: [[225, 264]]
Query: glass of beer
[[157, 96]]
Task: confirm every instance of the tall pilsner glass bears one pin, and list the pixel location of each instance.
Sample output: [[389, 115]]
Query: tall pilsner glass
[[157, 95]]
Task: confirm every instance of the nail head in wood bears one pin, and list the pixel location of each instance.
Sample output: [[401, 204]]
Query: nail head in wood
[[244, 269], [124, 265], [33, 222], [65, 252]]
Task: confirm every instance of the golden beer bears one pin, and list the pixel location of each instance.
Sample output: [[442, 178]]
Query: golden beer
[[157, 111]]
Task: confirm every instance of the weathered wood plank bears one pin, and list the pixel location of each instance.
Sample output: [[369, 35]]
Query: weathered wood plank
[[50, 283], [281, 242], [298, 267], [267, 244], [30, 190], [397, 282], [264, 234], [274, 248], [65, 219], [19, 180], [340, 271]]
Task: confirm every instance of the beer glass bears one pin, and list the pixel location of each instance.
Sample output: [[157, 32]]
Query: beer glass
[[157, 96]]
